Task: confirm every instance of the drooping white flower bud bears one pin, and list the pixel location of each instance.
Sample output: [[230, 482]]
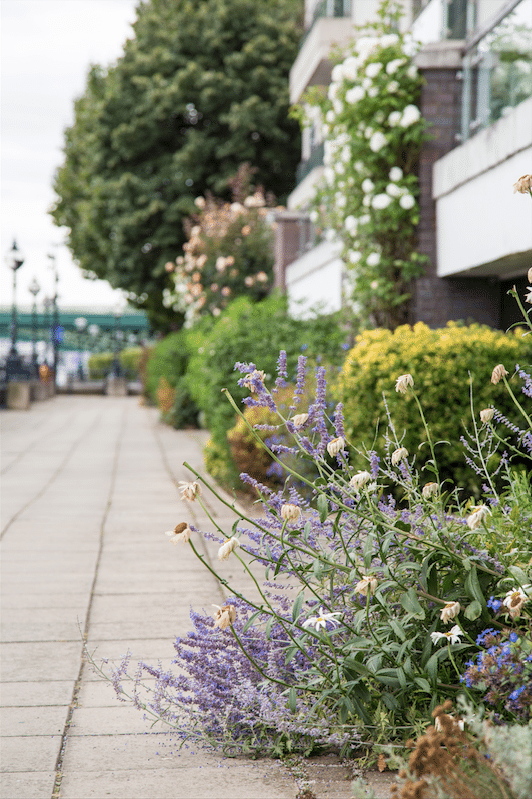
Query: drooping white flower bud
[[226, 549], [359, 480], [335, 446], [398, 455], [486, 415], [290, 512]]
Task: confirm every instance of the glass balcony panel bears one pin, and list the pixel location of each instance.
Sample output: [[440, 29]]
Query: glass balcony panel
[[498, 70]]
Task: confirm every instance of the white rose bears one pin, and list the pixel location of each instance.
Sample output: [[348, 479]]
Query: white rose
[[351, 224], [410, 115], [377, 141], [394, 118], [381, 201], [314, 216], [332, 90], [372, 70], [367, 186], [373, 92], [407, 202], [337, 73], [354, 95], [349, 68], [330, 116], [393, 86], [412, 71], [392, 66], [393, 190], [373, 259], [395, 174], [354, 256], [388, 40], [366, 83]]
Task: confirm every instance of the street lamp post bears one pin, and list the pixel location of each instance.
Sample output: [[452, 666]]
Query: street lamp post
[[34, 289], [117, 372], [56, 332], [14, 366], [81, 325]]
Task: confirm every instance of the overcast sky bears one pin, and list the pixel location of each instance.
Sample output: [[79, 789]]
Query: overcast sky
[[46, 49]]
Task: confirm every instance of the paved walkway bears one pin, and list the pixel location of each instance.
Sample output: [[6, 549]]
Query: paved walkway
[[89, 487]]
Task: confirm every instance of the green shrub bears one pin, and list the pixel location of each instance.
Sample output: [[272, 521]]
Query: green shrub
[[101, 363], [183, 411], [130, 360], [253, 332], [441, 362], [168, 359]]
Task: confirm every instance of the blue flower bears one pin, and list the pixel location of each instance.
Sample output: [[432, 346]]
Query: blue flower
[[483, 635], [494, 604], [513, 637]]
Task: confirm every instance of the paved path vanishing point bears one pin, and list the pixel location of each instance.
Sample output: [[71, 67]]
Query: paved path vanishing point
[[88, 489]]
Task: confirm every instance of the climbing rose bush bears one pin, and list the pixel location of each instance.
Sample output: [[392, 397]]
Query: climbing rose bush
[[373, 132]]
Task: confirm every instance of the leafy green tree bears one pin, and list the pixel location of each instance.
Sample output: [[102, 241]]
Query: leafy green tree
[[200, 88]]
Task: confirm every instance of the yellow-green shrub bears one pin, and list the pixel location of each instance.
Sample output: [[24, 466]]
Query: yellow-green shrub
[[441, 362]]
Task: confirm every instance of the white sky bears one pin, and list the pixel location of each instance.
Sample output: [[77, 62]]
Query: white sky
[[46, 49]]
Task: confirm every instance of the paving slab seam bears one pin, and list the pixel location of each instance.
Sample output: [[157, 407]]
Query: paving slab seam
[[85, 632], [36, 441], [54, 476], [206, 556]]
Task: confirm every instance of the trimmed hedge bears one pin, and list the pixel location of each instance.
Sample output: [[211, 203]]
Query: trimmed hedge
[[441, 362], [101, 363]]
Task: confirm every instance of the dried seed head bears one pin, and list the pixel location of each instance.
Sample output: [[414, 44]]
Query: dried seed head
[[498, 373], [486, 415], [189, 491], [403, 382]]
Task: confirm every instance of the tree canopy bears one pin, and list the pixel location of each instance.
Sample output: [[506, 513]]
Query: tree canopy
[[200, 88]]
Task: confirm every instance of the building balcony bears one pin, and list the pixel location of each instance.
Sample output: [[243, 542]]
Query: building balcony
[[313, 65], [483, 228]]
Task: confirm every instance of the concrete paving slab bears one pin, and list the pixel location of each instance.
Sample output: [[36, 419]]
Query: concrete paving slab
[[52, 596], [22, 785], [35, 662], [25, 632], [30, 753], [22, 721], [43, 694], [252, 782], [119, 719], [101, 694]]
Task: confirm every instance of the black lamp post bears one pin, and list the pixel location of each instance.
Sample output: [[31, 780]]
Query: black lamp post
[[81, 325], [14, 365], [117, 372], [34, 289], [56, 331], [47, 305]]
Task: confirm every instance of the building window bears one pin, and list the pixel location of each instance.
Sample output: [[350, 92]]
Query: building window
[[497, 69]]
